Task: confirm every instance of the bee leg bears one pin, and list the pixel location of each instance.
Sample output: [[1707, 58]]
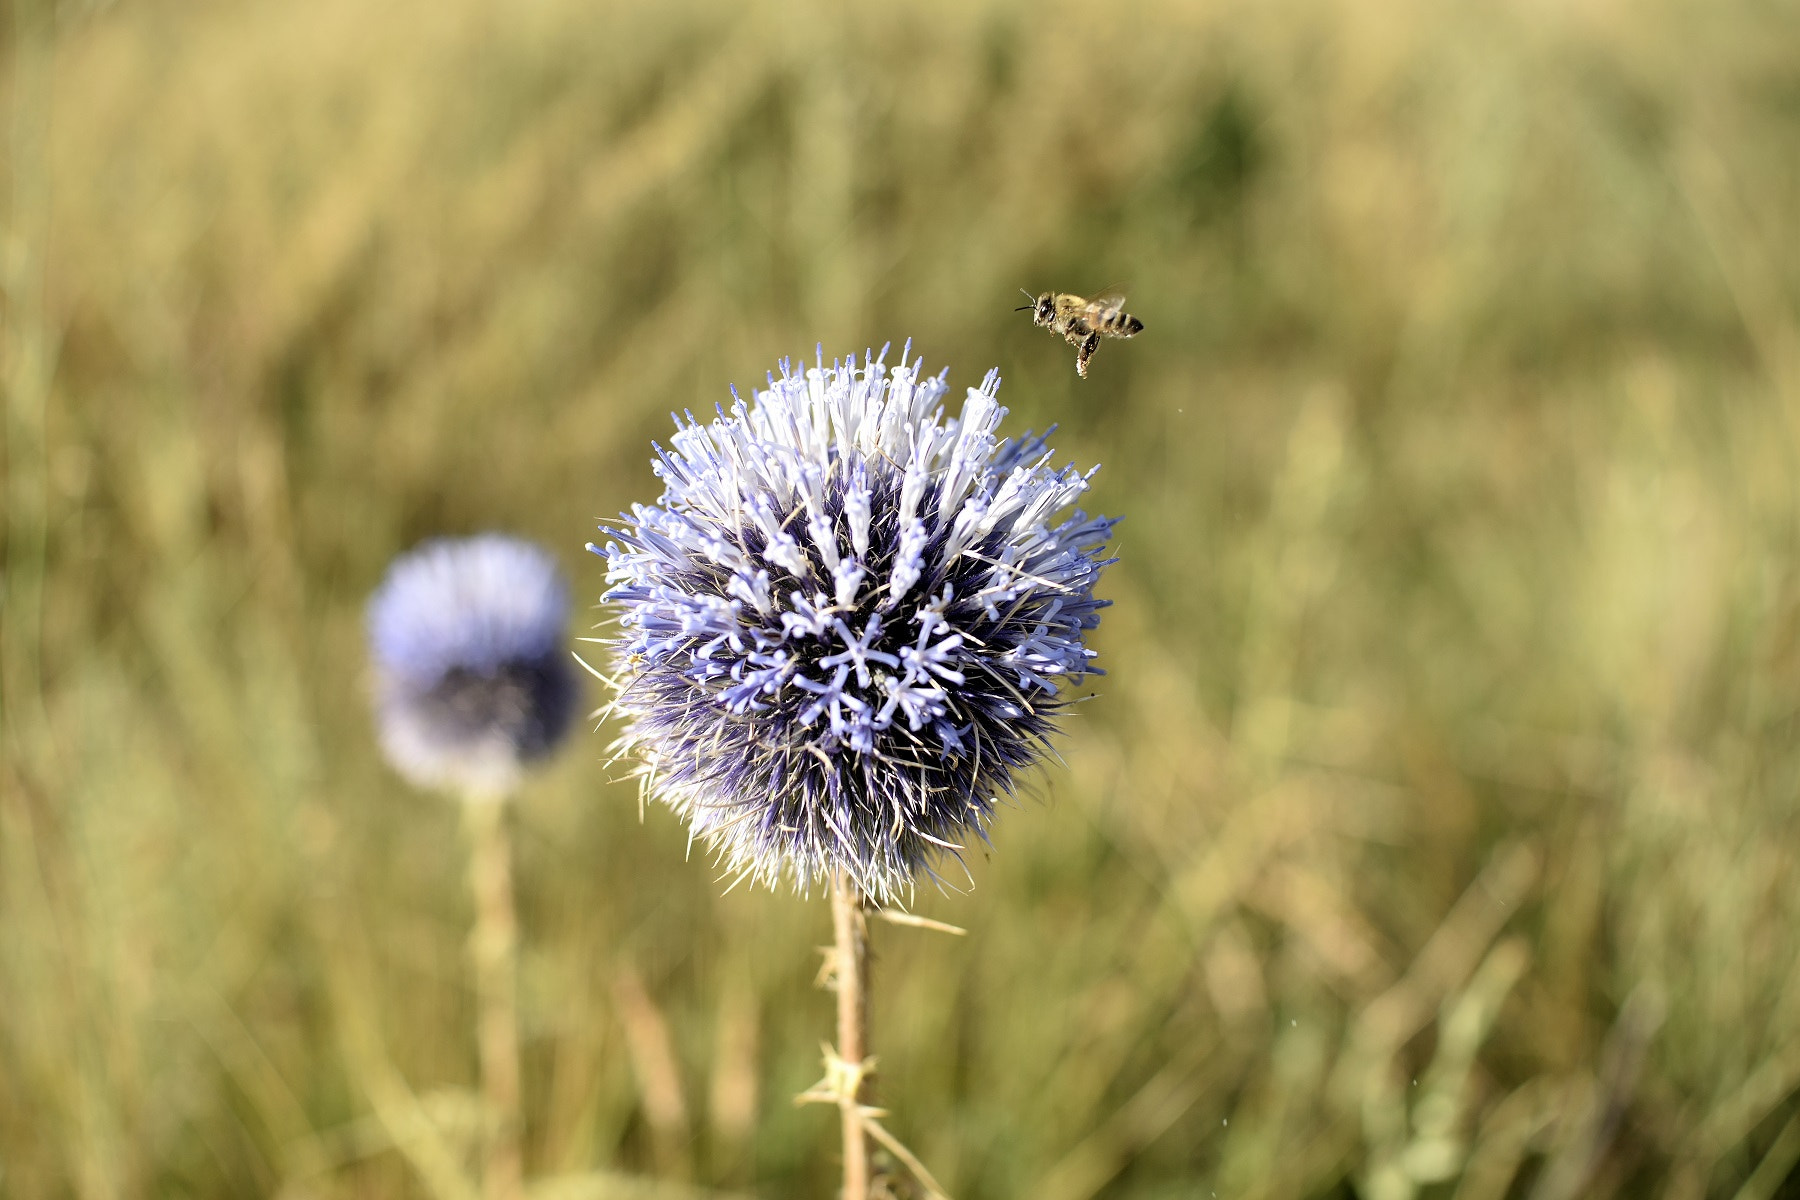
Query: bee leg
[[1089, 344]]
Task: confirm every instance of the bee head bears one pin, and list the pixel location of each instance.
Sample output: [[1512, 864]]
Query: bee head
[[1042, 308]]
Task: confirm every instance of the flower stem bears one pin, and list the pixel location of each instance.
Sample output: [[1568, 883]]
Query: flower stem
[[493, 953], [852, 976]]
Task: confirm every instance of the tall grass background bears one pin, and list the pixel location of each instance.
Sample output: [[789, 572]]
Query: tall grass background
[[1433, 834]]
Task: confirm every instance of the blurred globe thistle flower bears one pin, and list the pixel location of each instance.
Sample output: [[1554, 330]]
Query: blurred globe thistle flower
[[471, 680], [844, 626]]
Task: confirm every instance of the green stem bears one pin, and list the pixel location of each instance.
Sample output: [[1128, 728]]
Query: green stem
[[852, 976], [494, 952]]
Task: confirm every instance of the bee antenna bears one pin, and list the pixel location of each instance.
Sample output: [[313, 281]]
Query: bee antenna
[[1028, 296], [1025, 308]]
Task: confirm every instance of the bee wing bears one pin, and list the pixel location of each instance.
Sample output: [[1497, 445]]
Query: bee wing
[[1109, 299]]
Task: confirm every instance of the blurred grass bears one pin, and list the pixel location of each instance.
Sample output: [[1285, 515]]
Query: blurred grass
[[1434, 833]]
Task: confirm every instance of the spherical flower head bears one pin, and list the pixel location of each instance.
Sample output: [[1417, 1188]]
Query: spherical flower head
[[844, 627], [472, 682]]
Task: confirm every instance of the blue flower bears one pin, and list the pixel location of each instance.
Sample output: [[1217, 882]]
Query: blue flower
[[471, 679], [844, 627]]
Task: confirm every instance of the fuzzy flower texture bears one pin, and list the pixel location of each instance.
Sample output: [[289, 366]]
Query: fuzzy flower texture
[[472, 681], [844, 626]]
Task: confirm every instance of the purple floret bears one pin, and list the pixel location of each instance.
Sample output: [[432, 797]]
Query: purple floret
[[845, 625]]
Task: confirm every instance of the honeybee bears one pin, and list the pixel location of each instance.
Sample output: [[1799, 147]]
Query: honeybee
[[1082, 322]]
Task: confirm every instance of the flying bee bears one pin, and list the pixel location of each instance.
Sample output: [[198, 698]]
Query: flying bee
[[1083, 322]]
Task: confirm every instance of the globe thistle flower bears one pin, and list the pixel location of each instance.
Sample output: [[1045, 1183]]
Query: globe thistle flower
[[844, 626], [471, 680]]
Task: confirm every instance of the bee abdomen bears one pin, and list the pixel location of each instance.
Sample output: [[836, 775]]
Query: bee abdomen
[[1121, 324]]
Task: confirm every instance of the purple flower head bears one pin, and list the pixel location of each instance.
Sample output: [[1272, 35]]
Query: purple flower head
[[844, 625], [471, 678]]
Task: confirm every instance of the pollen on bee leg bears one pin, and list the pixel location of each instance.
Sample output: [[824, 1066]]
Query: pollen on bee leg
[[1089, 344]]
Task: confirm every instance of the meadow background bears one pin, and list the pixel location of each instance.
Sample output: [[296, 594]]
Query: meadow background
[[1433, 835]]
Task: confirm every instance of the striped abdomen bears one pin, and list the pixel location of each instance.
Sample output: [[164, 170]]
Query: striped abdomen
[[1114, 322]]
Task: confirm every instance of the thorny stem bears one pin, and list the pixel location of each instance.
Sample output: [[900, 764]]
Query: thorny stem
[[493, 952], [852, 980]]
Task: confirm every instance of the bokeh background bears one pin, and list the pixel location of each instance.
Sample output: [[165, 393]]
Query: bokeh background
[[1434, 833]]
